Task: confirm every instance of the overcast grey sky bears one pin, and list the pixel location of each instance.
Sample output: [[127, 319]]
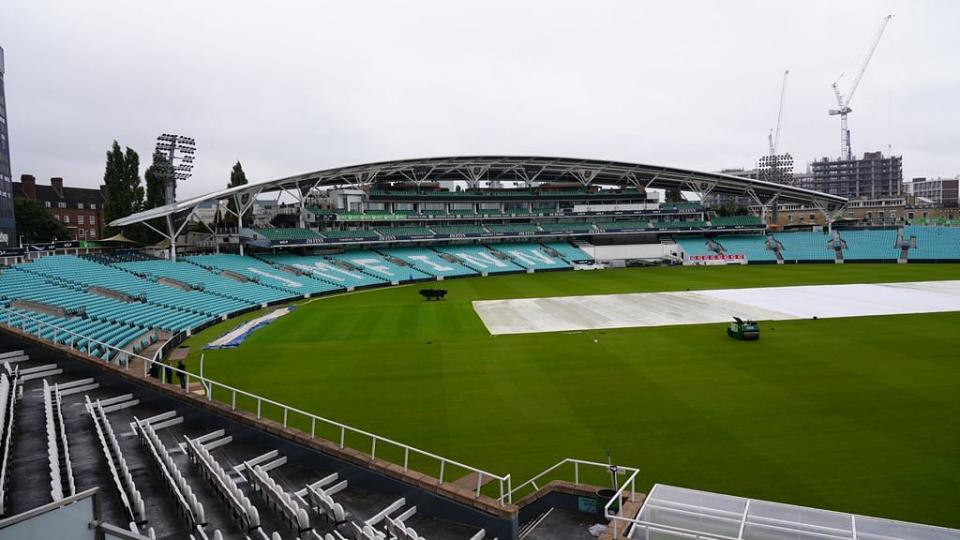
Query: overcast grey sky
[[287, 87]]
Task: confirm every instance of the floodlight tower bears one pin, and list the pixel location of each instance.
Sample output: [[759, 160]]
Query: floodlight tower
[[180, 152]]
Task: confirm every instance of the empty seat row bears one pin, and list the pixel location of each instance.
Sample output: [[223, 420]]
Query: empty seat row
[[122, 479], [430, 262], [277, 498], [530, 256], [240, 506], [187, 503], [9, 386], [264, 273], [58, 450]]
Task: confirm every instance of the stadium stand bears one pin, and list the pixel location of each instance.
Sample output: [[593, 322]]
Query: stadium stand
[[569, 252], [697, 245], [350, 233], [263, 273], [513, 228], [573, 227], [874, 245], [754, 248], [343, 275], [623, 225], [530, 256], [934, 243], [430, 262], [806, 246], [226, 295], [480, 259], [404, 231], [288, 233], [374, 264], [458, 229]]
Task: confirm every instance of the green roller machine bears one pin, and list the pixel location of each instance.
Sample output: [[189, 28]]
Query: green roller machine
[[744, 330]]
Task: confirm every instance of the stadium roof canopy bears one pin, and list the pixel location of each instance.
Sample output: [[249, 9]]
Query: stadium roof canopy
[[529, 170], [673, 512]]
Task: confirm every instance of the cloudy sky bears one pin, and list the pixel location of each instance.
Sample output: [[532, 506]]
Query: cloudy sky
[[287, 87]]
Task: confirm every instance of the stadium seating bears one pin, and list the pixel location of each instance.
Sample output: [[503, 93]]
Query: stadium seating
[[696, 245], [569, 251], [264, 274], [404, 231], [480, 259], [373, 264], [623, 225], [288, 234], [806, 246], [530, 256], [754, 248], [327, 270], [359, 233], [227, 295], [77, 271], [874, 245], [934, 243], [97, 338], [579, 227], [529, 228], [430, 262], [458, 229]]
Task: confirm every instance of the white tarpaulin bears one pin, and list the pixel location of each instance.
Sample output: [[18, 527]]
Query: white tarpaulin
[[565, 313]]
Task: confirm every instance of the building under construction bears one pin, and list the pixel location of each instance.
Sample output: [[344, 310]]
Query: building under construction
[[873, 177]]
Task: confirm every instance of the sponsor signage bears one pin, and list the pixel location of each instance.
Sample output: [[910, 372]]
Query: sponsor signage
[[708, 260]]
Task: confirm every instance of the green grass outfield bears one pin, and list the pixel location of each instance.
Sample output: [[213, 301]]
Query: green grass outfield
[[858, 414]]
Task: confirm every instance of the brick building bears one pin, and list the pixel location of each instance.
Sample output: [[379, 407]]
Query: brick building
[[79, 209]]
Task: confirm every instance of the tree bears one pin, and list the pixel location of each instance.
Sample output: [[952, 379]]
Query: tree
[[673, 195], [36, 224], [156, 179], [237, 178], [122, 180]]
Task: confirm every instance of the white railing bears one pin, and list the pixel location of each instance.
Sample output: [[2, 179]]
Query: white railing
[[22, 321], [616, 471]]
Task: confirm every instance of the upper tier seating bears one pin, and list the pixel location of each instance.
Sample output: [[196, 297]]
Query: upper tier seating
[[334, 233], [480, 259], [288, 234], [514, 228], [623, 225], [458, 229], [877, 245], [429, 261], [729, 221], [934, 243], [567, 227], [530, 256], [327, 270], [372, 263], [404, 231], [680, 224], [231, 294], [569, 251], [264, 273]]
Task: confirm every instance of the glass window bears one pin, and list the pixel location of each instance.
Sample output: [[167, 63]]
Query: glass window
[[46, 203], [80, 206], [93, 233], [93, 220], [80, 220], [62, 205], [93, 206], [66, 219]]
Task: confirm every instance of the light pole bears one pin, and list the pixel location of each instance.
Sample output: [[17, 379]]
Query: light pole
[[176, 148]]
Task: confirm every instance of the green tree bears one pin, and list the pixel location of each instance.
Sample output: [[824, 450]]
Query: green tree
[[36, 224], [121, 177], [156, 177], [237, 178], [673, 195]]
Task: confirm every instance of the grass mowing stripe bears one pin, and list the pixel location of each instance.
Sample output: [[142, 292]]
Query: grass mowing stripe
[[853, 414]]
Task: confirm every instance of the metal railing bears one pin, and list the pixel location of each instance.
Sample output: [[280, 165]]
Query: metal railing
[[33, 325], [630, 482]]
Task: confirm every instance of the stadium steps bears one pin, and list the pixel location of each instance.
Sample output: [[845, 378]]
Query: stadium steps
[[362, 496]]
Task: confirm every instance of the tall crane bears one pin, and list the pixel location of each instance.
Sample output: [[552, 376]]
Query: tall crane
[[775, 139], [843, 104]]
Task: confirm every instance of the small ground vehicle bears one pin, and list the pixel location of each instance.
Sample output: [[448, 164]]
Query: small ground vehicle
[[744, 330]]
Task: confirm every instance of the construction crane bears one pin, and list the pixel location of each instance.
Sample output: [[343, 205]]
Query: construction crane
[[775, 139], [843, 104]]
